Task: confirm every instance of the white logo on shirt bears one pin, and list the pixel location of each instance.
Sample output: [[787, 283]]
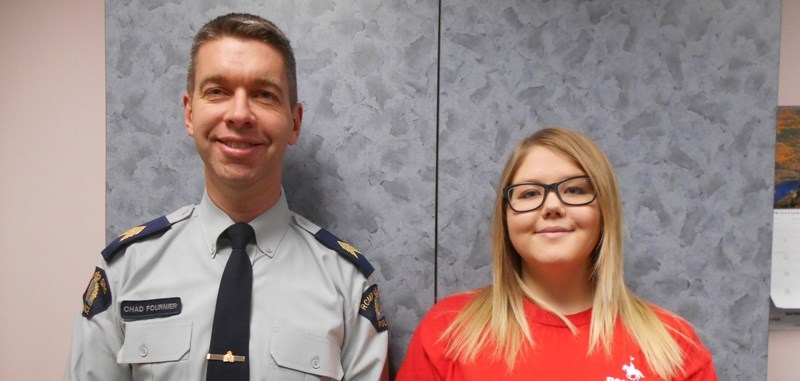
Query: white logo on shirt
[[631, 373]]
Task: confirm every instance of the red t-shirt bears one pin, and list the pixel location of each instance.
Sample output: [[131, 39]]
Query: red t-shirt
[[557, 354]]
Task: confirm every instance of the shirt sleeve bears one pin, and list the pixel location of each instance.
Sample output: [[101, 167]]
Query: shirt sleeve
[[365, 349], [97, 336], [425, 359], [418, 365], [698, 362], [704, 373]]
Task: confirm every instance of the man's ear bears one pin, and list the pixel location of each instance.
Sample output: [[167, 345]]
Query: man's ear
[[297, 122], [187, 113]]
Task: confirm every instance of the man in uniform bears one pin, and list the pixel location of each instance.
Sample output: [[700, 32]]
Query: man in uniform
[[166, 303]]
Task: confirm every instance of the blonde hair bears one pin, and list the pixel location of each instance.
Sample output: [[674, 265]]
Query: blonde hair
[[495, 317]]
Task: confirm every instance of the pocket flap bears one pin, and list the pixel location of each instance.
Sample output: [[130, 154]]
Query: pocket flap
[[155, 342], [306, 353]]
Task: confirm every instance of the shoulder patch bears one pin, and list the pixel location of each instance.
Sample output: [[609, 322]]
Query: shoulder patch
[[346, 250], [132, 235], [372, 309], [97, 297]]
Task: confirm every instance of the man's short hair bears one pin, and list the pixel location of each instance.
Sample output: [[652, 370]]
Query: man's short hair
[[250, 27]]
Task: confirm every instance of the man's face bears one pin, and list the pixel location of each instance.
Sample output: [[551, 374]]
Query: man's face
[[239, 113]]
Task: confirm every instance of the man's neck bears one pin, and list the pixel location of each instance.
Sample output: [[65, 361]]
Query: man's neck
[[243, 205]]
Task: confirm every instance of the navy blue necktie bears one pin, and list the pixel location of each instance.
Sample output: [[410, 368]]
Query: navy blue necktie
[[228, 355]]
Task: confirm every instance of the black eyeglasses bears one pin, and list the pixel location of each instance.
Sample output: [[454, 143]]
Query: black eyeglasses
[[526, 197]]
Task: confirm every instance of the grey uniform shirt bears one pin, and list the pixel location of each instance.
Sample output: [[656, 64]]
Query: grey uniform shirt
[[305, 306]]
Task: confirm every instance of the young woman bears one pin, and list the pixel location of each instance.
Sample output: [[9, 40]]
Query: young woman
[[558, 308]]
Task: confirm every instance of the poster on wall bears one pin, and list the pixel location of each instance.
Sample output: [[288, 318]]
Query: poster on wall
[[785, 287]]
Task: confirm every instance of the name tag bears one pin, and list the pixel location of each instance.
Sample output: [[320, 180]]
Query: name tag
[[149, 309]]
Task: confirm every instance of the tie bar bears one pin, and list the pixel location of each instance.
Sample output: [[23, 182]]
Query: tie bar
[[228, 357]]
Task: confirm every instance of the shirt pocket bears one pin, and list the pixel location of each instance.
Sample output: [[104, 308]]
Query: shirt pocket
[[304, 357], [157, 351]]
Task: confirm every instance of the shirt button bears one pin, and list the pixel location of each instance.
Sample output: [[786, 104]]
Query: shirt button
[[315, 363], [143, 351]]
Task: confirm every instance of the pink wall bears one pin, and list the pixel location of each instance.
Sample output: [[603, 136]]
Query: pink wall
[[52, 171], [789, 75]]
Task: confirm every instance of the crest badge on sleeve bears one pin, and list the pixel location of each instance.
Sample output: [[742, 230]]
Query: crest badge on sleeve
[[97, 297], [371, 308]]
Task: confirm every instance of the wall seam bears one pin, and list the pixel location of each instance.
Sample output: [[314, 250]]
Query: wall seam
[[436, 181]]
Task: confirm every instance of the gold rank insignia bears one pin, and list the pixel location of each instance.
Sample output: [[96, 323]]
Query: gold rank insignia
[[159, 225], [131, 232], [349, 248], [345, 250]]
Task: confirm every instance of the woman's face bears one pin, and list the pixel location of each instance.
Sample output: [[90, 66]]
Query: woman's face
[[555, 235]]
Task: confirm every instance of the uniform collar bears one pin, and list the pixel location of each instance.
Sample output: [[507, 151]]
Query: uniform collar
[[269, 226]]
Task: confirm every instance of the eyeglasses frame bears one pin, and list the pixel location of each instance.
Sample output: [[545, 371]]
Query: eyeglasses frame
[[547, 189]]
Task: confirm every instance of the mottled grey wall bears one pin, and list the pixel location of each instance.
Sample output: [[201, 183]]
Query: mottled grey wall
[[365, 163], [681, 94]]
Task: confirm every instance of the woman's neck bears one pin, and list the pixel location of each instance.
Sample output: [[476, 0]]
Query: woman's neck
[[566, 289]]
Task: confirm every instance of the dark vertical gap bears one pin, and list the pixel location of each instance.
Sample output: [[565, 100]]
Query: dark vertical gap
[[436, 195]]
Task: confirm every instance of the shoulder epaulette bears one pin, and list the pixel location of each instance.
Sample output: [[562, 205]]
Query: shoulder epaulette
[[346, 250], [132, 235]]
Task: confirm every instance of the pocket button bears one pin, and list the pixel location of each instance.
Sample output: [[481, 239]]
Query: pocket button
[[315, 363], [143, 351]]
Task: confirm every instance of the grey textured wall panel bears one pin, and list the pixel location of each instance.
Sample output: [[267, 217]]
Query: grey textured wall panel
[[680, 94], [365, 163]]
